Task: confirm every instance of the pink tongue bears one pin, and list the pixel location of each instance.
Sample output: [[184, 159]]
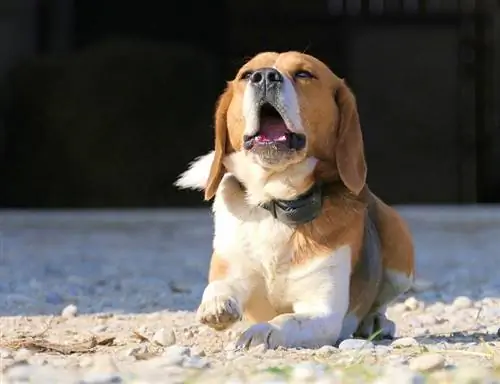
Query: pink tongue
[[272, 130]]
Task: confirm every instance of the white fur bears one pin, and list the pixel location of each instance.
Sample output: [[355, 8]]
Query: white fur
[[287, 105], [196, 176], [258, 250]]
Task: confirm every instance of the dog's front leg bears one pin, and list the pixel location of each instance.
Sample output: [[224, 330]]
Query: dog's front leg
[[223, 298], [320, 298]]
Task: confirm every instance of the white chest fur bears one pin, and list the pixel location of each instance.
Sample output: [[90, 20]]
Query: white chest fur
[[250, 239]]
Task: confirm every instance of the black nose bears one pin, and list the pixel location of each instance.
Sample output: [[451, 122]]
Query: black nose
[[266, 75]]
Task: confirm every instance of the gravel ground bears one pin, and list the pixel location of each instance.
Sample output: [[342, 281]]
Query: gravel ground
[[108, 297]]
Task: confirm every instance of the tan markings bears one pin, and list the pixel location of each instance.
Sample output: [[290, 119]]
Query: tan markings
[[340, 223], [395, 239], [218, 268], [258, 308]]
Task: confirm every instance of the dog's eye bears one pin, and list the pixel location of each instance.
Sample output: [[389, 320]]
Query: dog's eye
[[302, 74], [246, 75]]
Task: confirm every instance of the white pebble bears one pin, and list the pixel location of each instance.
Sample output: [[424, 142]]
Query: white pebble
[[399, 308], [5, 353], [404, 342], [164, 337], [412, 304], [69, 311], [462, 302], [427, 362], [195, 362], [326, 350], [23, 354], [307, 371], [355, 344], [400, 375]]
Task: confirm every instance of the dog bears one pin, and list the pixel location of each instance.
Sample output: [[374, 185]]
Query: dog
[[302, 248]]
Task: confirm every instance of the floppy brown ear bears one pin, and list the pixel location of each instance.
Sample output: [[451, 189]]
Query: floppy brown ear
[[350, 156], [217, 169]]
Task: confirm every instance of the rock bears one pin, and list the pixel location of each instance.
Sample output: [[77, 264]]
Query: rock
[[326, 350], [471, 375], [400, 375], [412, 304], [164, 337], [195, 362], [404, 342], [198, 351], [175, 355], [69, 311], [348, 344], [307, 371], [99, 328], [23, 354], [427, 362], [5, 353], [399, 308], [462, 302], [19, 372]]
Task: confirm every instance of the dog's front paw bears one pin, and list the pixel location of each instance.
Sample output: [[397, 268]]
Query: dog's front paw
[[219, 313], [263, 333]]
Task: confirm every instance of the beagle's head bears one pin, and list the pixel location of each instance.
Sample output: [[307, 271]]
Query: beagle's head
[[284, 108]]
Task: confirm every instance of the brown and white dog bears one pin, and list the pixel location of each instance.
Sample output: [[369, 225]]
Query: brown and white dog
[[302, 248]]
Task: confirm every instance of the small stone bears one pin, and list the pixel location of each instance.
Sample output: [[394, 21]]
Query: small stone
[[326, 350], [404, 342], [400, 375], [355, 344], [136, 350], [427, 362], [175, 355], [188, 334], [198, 351], [195, 362], [462, 302], [23, 354], [164, 337], [99, 328], [412, 304], [383, 349], [5, 353], [19, 372], [399, 308], [69, 311], [306, 371]]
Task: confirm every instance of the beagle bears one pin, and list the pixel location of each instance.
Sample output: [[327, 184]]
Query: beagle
[[302, 248]]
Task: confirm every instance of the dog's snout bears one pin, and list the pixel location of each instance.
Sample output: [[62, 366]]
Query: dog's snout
[[266, 76]]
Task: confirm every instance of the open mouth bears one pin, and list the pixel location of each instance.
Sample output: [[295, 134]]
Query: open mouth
[[273, 131]]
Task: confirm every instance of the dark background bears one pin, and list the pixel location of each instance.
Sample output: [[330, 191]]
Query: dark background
[[104, 102]]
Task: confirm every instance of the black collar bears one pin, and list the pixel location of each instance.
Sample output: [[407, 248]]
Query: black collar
[[301, 210]]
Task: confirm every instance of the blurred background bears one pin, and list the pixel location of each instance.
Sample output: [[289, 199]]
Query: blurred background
[[104, 102]]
